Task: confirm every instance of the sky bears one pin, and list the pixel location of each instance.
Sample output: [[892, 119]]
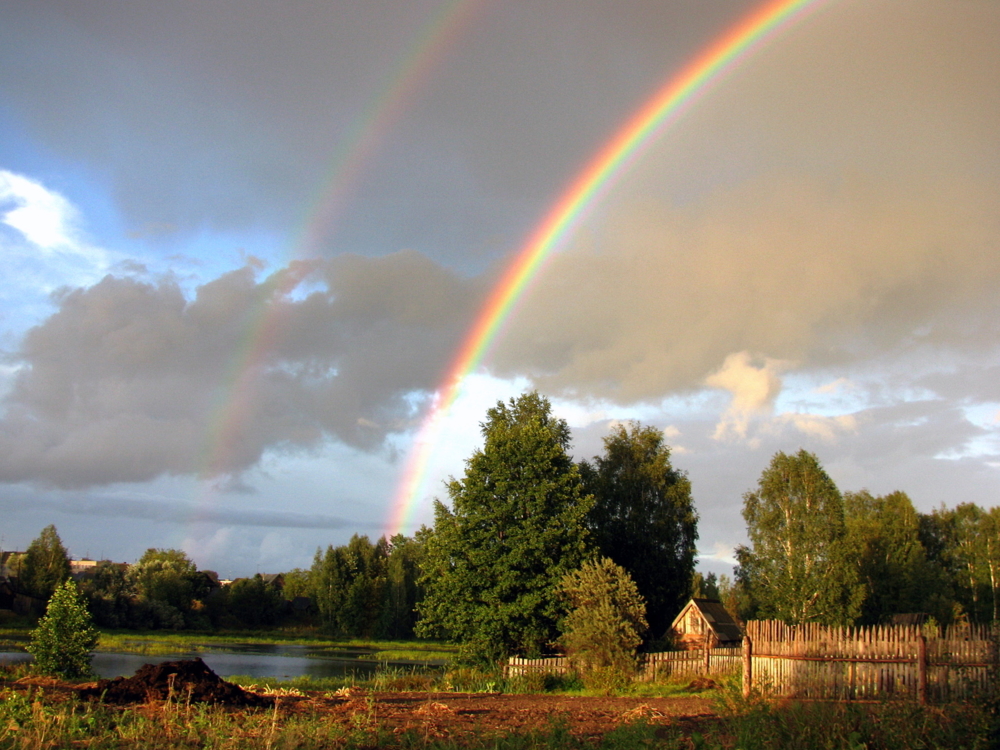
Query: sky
[[243, 243]]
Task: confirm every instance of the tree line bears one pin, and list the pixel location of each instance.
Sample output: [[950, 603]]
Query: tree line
[[819, 555], [535, 549]]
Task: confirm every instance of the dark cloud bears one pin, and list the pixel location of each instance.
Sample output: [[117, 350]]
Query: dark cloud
[[227, 116], [129, 380], [186, 514]]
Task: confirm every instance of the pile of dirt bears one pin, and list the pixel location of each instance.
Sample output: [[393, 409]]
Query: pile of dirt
[[183, 681]]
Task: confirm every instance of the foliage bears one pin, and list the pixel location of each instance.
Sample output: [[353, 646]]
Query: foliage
[[254, 603], [516, 527], [965, 542], [165, 575], [606, 621], [368, 590], [798, 567], [65, 636], [643, 518], [883, 534], [44, 566]]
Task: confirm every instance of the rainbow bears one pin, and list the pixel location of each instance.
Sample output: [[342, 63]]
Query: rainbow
[[233, 412], [357, 150], [664, 108]]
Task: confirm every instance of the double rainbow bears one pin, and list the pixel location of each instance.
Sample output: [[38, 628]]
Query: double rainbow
[[663, 109]]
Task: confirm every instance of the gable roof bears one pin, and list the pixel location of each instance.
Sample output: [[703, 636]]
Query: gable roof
[[718, 619]]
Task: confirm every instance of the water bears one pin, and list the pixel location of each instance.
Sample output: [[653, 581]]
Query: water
[[277, 661]]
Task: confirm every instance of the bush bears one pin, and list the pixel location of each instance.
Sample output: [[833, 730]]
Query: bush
[[65, 636], [605, 623]]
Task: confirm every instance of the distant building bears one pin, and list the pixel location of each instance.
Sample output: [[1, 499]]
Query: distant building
[[80, 569], [705, 622]]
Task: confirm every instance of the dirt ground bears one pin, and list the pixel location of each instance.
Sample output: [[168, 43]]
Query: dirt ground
[[430, 714], [456, 714]]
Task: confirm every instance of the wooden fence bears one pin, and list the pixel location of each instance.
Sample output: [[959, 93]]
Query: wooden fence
[[814, 661], [656, 666], [818, 662]]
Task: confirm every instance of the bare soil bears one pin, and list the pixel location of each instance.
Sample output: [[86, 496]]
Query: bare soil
[[454, 715], [458, 714], [188, 680]]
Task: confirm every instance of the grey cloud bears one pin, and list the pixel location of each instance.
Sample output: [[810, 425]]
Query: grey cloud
[[783, 267], [187, 514], [128, 380], [227, 115]]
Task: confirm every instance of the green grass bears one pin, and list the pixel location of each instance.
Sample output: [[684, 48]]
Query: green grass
[[166, 642]]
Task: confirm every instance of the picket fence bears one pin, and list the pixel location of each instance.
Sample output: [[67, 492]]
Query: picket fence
[[656, 666], [814, 661], [818, 662]]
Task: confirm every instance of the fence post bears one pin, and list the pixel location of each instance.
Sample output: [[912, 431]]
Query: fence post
[[922, 669], [708, 656], [747, 666]]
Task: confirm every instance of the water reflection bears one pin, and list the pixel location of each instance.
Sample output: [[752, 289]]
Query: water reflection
[[255, 660]]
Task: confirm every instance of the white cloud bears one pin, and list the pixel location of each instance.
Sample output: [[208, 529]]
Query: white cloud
[[43, 247], [44, 217], [754, 389]]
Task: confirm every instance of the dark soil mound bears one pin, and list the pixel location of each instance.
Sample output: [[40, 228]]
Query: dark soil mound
[[182, 681]]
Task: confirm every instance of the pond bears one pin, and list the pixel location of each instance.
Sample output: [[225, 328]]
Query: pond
[[277, 661]]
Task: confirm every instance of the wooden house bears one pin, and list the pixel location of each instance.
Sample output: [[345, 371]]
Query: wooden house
[[705, 622]]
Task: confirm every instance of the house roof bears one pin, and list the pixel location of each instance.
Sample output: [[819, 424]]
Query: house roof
[[718, 619]]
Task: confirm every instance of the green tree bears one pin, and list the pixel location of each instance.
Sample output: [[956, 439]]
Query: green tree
[[643, 518], [65, 636], [705, 586], [883, 534], [349, 583], [798, 567], [167, 583], [45, 565], [606, 621], [402, 590], [516, 527], [254, 603]]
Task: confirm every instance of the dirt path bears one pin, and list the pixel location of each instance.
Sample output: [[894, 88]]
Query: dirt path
[[456, 714]]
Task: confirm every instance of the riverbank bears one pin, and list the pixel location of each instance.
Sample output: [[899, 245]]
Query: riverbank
[[156, 642]]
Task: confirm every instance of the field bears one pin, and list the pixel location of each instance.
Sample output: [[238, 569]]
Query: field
[[38, 712]]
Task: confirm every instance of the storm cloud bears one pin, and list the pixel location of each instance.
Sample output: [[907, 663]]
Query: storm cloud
[[129, 380]]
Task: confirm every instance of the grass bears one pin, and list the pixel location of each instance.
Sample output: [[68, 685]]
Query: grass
[[35, 719], [183, 641]]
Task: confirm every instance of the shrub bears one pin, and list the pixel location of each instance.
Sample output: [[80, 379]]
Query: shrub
[[605, 623], [65, 636]]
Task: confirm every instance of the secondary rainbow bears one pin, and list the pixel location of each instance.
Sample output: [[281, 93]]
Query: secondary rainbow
[[665, 107], [232, 417]]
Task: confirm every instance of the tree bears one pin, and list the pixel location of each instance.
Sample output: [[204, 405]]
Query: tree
[[65, 636], [883, 534], [166, 581], [402, 589], [516, 527], [348, 583], [606, 620], [797, 568], [254, 603], [45, 565], [643, 518]]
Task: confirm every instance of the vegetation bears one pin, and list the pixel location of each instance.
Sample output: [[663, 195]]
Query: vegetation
[[643, 518], [63, 640], [516, 527], [44, 566], [32, 717], [368, 590], [605, 624], [798, 567]]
